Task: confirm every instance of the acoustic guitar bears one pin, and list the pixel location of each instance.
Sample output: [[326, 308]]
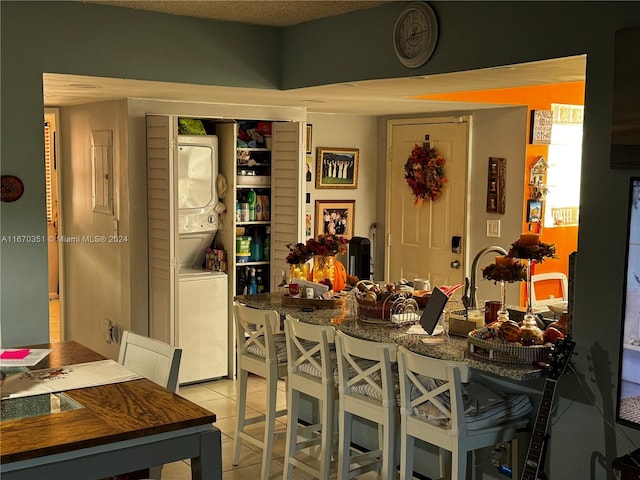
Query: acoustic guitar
[[557, 366]]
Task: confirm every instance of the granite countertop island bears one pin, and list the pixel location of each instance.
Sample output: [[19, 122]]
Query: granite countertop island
[[346, 320]]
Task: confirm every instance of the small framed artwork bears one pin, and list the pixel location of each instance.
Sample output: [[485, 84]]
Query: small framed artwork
[[309, 131], [534, 211], [308, 231], [541, 122], [496, 192], [335, 217], [337, 167], [309, 165]]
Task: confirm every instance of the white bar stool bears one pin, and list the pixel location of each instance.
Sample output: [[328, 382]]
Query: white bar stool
[[311, 372], [259, 353], [432, 409], [366, 390]]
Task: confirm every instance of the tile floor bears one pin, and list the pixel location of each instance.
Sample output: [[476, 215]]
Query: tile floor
[[219, 396]]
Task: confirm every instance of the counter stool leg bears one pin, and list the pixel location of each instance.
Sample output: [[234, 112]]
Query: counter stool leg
[[515, 467], [270, 421], [293, 397], [458, 463], [326, 420], [442, 458], [407, 444], [344, 426], [241, 395], [387, 445]]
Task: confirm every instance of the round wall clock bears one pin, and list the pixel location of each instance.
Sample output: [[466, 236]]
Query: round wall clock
[[415, 34], [11, 188]]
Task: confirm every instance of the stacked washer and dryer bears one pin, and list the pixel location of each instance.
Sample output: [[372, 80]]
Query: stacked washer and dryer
[[202, 319]]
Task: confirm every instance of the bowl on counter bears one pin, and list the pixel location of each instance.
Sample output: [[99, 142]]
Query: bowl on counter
[[558, 308], [422, 297]]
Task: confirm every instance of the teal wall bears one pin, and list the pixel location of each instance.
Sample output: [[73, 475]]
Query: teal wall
[[77, 38]]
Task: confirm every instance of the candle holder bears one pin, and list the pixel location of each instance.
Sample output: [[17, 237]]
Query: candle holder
[[505, 269], [529, 317], [529, 247], [503, 313]]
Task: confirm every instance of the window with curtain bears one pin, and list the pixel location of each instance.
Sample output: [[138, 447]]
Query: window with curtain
[[564, 163]]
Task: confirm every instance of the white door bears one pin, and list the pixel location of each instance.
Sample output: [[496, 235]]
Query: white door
[[419, 238]]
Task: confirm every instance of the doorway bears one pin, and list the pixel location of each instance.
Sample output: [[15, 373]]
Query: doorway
[[51, 121]]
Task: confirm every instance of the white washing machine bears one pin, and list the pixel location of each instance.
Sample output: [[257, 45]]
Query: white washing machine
[[202, 324]]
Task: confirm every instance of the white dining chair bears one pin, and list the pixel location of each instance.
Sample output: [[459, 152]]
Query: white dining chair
[[552, 277], [432, 409], [155, 360], [366, 390], [263, 353], [312, 365]]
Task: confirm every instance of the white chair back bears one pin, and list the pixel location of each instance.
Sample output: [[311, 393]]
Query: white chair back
[[153, 359], [364, 368], [545, 277], [435, 386], [255, 340], [309, 350]]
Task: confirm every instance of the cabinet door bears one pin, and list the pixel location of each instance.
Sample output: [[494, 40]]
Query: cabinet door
[[287, 194], [162, 231]]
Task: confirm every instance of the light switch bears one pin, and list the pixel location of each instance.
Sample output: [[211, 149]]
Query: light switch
[[493, 228]]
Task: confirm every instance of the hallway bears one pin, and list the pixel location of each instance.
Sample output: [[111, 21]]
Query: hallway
[[54, 320]]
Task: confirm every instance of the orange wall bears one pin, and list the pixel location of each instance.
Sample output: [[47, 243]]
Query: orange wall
[[535, 98]]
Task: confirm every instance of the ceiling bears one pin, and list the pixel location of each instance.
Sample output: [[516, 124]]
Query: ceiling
[[280, 13], [372, 97]]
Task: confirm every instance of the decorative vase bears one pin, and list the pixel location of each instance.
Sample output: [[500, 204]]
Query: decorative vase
[[323, 268], [299, 270]]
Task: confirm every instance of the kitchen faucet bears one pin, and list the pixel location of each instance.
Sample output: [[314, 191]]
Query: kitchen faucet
[[473, 301]]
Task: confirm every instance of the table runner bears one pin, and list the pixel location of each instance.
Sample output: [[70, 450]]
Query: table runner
[[70, 377]]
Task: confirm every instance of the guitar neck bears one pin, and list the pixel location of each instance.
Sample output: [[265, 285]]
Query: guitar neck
[[536, 445]]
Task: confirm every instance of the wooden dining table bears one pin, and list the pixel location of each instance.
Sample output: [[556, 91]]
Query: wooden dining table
[[116, 428]]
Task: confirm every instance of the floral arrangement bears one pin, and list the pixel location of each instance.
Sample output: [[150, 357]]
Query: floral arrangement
[[322, 245], [532, 251], [513, 271], [327, 245], [424, 173], [298, 253]]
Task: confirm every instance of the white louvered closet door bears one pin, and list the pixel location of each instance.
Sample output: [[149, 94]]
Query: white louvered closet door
[[287, 194], [162, 231]]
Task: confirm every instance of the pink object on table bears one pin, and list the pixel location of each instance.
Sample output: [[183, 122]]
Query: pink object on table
[[15, 354]]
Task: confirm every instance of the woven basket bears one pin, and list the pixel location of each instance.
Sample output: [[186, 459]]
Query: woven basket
[[500, 351], [378, 310]]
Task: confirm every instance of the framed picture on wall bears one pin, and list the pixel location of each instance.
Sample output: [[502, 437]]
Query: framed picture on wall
[[335, 217], [337, 167], [309, 131], [308, 229], [540, 126], [309, 165], [534, 211]]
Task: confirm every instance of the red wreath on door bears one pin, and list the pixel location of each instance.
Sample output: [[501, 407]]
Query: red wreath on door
[[424, 173]]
